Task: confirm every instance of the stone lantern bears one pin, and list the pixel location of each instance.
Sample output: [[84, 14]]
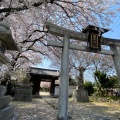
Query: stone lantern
[[94, 37], [6, 42]]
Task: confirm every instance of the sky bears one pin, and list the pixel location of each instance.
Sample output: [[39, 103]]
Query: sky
[[114, 31]]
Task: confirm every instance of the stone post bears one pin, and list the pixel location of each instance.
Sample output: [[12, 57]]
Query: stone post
[[116, 59], [64, 81], [80, 94]]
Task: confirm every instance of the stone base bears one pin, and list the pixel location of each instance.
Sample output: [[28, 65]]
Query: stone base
[[80, 96], [7, 113], [23, 94], [6, 110], [4, 101]]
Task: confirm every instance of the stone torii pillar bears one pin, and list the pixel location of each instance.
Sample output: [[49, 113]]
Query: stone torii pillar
[[64, 76], [116, 59], [64, 81]]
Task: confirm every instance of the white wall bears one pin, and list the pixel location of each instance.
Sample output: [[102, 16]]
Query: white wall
[[71, 88]]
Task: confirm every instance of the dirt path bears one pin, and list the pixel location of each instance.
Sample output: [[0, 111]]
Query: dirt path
[[91, 110], [99, 109]]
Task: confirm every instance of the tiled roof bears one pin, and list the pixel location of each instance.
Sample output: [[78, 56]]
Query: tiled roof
[[42, 71]]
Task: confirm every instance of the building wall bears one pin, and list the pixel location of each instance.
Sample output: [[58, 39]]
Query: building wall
[[71, 88]]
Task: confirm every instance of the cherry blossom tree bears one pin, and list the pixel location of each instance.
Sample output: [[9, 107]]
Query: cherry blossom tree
[[104, 63], [27, 21]]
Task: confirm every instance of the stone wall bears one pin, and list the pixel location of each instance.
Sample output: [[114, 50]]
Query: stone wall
[[6, 110], [23, 93], [71, 88]]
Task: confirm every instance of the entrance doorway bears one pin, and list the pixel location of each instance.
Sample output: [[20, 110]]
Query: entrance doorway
[[39, 76]]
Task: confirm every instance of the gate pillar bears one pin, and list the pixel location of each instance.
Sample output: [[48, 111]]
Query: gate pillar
[[116, 59], [52, 87], [64, 81]]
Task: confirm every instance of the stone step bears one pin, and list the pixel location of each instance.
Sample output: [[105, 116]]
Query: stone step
[[7, 112], [4, 101]]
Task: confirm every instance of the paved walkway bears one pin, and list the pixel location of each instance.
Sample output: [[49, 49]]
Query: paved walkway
[[46, 109], [38, 109]]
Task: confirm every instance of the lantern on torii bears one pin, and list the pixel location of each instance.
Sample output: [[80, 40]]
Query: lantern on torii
[[94, 37]]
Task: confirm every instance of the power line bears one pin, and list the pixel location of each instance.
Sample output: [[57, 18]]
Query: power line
[[115, 27]]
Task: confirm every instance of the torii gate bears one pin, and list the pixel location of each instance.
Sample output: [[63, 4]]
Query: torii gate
[[65, 45]]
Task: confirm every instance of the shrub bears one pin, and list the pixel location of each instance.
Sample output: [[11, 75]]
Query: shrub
[[72, 81], [89, 87]]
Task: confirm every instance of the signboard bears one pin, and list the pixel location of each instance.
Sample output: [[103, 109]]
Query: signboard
[[94, 41]]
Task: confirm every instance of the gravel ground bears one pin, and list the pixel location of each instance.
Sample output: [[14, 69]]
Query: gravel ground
[[90, 110], [46, 109]]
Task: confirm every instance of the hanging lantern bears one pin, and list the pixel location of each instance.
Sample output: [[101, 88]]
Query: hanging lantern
[[94, 37]]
